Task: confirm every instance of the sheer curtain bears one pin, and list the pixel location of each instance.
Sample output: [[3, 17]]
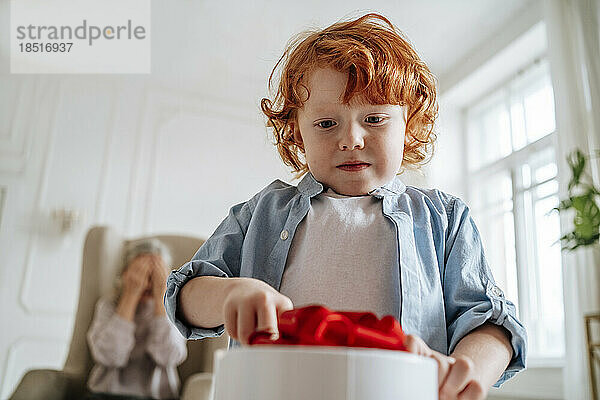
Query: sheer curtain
[[574, 54]]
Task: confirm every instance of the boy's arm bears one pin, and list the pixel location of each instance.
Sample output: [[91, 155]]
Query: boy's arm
[[479, 359], [244, 305], [488, 346], [471, 297], [201, 300], [219, 257]]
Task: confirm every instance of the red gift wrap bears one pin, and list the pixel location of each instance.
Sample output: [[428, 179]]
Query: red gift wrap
[[319, 326]]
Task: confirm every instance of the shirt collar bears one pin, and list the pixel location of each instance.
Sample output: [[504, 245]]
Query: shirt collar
[[310, 187], [394, 187]]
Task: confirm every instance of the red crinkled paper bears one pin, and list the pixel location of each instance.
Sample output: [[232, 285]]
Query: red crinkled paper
[[319, 326]]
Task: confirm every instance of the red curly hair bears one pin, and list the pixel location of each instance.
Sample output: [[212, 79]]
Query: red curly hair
[[382, 67]]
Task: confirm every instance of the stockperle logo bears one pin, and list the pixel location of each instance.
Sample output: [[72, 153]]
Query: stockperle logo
[[85, 31], [83, 36]]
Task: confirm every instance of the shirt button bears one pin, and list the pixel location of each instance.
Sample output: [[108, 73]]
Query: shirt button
[[284, 234], [497, 291]]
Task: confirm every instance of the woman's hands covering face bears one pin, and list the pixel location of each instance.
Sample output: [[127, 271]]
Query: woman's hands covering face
[[146, 276], [158, 277], [136, 277]]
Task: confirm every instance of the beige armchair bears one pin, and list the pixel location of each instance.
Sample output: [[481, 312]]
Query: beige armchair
[[102, 260]]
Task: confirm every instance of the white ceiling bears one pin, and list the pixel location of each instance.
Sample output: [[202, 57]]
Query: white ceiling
[[245, 39], [229, 47]]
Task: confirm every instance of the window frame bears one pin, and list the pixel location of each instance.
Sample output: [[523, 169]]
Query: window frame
[[512, 164]]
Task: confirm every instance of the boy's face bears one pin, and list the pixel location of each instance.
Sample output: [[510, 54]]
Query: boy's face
[[334, 135]]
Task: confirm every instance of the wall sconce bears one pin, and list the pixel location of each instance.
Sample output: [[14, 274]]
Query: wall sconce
[[67, 218]]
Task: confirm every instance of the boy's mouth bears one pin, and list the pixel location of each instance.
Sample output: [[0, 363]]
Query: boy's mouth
[[353, 166]]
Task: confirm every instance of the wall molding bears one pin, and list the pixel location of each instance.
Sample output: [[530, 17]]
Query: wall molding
[[136, 166], [105, 166], [39, 209], [12, 352], [161, 107], [40, 194], [7, 138], [15, 145], [3, 195]]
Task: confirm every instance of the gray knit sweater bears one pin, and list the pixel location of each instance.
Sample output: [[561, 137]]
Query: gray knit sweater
[[134, 358]]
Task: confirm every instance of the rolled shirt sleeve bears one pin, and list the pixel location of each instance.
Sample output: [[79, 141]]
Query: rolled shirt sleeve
[[470, 294], [218, 256]]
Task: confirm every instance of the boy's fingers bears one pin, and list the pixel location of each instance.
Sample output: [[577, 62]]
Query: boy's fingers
[[283, 304], [456, 380], [473, 391], [414, 344], [411, 344], [266, 320], [231, 323], [444, 366], [246, 322]]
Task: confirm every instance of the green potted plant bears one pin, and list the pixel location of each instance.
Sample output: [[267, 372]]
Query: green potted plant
[[583, 197]]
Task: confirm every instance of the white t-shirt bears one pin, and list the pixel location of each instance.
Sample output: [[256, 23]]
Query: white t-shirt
[[344, 256]]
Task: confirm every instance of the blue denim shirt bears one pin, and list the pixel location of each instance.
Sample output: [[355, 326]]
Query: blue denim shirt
[[447, 287]]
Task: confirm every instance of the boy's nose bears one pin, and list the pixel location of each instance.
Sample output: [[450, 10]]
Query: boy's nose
[[352, 138]]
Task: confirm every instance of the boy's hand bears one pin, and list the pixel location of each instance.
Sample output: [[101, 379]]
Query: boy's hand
[[457, 378], [252, 305]]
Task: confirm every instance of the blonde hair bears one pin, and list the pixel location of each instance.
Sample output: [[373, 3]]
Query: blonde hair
[[382, 67]]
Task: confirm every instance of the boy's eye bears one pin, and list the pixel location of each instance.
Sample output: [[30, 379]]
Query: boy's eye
[[326, 124], [373, 119]]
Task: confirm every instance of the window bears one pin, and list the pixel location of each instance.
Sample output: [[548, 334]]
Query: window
[[512, 186]]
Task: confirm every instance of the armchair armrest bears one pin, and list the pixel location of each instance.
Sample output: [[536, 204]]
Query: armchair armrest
[[198, 387], [48, 384]]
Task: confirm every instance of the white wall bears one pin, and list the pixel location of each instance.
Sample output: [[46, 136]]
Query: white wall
[[448, 168]]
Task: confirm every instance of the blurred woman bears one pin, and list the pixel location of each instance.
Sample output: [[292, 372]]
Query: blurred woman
[[135, 348]]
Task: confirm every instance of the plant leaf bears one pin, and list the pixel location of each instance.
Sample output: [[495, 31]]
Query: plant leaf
[[576, 161], [587, 218]]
